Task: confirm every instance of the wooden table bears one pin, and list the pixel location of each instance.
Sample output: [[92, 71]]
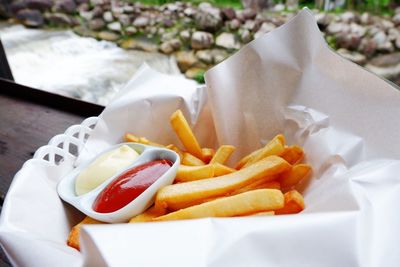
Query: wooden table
[[28, 120]]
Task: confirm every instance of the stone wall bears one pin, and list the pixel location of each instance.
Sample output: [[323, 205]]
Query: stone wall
[[201, 36]]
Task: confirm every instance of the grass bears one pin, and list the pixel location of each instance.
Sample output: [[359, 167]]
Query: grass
[[222, 3]]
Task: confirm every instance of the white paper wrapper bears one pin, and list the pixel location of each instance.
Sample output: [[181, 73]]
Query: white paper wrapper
[[286, 81]]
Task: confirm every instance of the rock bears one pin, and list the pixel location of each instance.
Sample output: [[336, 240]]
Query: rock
[[170, 46], [227, 40], [97, 12], [114, 26], [202, 40], [141, 21], [382, 42], [357, 29], [99, 2], [397, 42], [245, 36], [131, 30], [250, 25], [228, 13], [185, 60], [108, 16], [234, 24], [128, 9], [108, 36], [352, 56], [348, 17], [80, 2], [185, 35], [365, 18], [387, 66], [15, 6], [82, 31], [386, 24], [169, 35], [96, 24], [324, 19], [30, 18], [348, 40], [125, 20], [137, 44], [249, 13], [367, 46], [41, 5], [59, 19], [194, 73], [393, 34], [257, 5], [396, 19], [265, 28], [208, 18], [278, 8], [189, 12], [167, 22], [336, 27], [219, 55], [205, 56], [84, 7], [65, 6]]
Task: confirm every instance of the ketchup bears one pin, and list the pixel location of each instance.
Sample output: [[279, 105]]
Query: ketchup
[[130, 185]]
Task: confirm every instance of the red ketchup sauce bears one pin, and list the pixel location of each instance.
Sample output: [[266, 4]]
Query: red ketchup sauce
[[130, 185]]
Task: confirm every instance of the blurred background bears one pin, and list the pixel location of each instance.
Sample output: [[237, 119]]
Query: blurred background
[[89, 49]]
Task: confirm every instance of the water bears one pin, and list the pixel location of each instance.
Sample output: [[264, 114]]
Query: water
[[65, 63]]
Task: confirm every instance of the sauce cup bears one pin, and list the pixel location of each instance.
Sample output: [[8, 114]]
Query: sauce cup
[[84, 203]]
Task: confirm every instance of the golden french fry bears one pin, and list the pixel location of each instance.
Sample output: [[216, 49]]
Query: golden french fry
[[274, 147], [176, 149], [185, 134], [294, 203], [208, 153], [245, 159], [73, 237], [128, 137], [193, 173], [142, 140], [223, 153], [190, 160], [260, 184], [263, 213], [295, 175], [147, 216], [220, 169], [245, 203], [182, 195], [293, 154]]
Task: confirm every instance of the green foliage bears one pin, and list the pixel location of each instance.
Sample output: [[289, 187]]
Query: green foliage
[[200, 77]]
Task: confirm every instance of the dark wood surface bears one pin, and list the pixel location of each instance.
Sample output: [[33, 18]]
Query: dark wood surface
[[28, 121]]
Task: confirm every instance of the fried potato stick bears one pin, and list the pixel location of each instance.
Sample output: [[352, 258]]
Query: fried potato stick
[[182, 195], [208, 154], [190, 160], [295, 175], [245, 203], [185, 134], [261, 184], [73, 237], [147, 216], [294, 203], [274, 147], [293, 154], [223, 153]]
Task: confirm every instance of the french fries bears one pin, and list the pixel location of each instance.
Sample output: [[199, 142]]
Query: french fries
[[223, 153], [294, 203], [205, 186], [185, 134], [245, 203], [182, 195], [73, 237], [190, 160]]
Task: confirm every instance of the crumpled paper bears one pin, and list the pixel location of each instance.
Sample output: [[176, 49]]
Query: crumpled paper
[[285, 81]]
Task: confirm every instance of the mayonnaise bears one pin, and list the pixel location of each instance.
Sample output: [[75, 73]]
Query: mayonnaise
[[103, 168]]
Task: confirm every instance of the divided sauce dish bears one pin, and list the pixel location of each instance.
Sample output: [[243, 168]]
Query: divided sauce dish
[[85, 202]]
